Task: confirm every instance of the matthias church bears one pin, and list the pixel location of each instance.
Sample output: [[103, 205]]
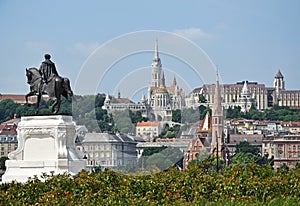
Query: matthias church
[[161, 99]]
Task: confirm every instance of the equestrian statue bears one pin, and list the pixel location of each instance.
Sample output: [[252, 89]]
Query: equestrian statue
[[47, 81]]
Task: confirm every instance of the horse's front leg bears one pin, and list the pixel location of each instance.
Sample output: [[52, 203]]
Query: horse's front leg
[[26, 97], [39, 97]]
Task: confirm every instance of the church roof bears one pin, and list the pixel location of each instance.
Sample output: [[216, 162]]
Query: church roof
[[123, 100], [159, 89], [205, 124], [279, 75]]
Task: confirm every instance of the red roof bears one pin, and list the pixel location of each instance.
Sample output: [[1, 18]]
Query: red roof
[[147, 124], [14, 97], [20, 98]]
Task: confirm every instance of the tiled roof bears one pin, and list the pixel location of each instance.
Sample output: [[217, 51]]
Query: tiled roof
[[147, 124], [20, 98], [290, 124], [123, 100]]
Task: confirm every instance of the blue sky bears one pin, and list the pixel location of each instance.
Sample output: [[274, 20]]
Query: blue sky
[[248, 40]]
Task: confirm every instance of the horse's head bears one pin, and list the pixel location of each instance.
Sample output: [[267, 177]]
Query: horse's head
[[28, 75], [32, 74]]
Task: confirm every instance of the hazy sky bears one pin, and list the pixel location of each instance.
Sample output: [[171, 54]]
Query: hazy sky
[[248, 40]]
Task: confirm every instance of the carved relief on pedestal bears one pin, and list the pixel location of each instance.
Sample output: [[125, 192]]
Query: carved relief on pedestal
[[23, 134]]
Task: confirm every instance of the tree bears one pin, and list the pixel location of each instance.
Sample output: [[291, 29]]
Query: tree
[[189, 115], [202, 99], [7, 109], [170, 132], [245, 147], [246, 153], [2, 163], [123, 122], [176, 115], [203, 111], [137, 117]]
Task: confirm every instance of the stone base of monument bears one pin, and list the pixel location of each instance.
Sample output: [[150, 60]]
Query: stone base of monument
[[46, 144]]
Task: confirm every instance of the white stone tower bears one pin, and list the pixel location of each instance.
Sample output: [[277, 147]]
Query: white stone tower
[[156, 68]]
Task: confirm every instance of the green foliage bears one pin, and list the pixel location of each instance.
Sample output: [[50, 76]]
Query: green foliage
[[203, 111], [189, 115], [158, 159], [152, 150], [123, 122], [233, 113], [245, 147], [275, 113], [2, 162], [170, 132], [7, 109], [176, 115], [246, 153], [252, 185], [202, 99], [137, 117]]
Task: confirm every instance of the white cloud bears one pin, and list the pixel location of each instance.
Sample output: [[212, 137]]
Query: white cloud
[[37, 46], [193, 33], [83, 48]]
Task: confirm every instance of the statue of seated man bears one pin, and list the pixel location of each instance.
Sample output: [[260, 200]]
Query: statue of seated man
[[47, 69]]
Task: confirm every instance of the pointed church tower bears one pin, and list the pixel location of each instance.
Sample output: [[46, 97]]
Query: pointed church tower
[[278, 81], [107, 99], [278, 85], [163, 81], [156, 67], [174, 82], [245, 90], [217, 120]]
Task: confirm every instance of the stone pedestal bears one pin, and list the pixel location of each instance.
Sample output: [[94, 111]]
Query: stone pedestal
[[45, 144]]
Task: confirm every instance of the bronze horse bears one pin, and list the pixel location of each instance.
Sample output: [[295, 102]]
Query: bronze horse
[[55, 88]]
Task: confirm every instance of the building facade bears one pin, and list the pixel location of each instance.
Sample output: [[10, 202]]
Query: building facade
[[148, 130], [109, 150], [285, 149], [245, 94], [8, 136]]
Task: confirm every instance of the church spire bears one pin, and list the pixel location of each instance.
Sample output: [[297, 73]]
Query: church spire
[[217, 120], [245, 90], [174, 81], [156, 56], [156, 67], [217, 107], [163, 81]]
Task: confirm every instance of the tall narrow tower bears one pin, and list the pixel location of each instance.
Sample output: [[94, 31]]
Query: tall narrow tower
[[278, 85], [217, 121], [156, 68]]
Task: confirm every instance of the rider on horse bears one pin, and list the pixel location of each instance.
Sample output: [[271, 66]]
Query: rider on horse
[[47, 69]]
